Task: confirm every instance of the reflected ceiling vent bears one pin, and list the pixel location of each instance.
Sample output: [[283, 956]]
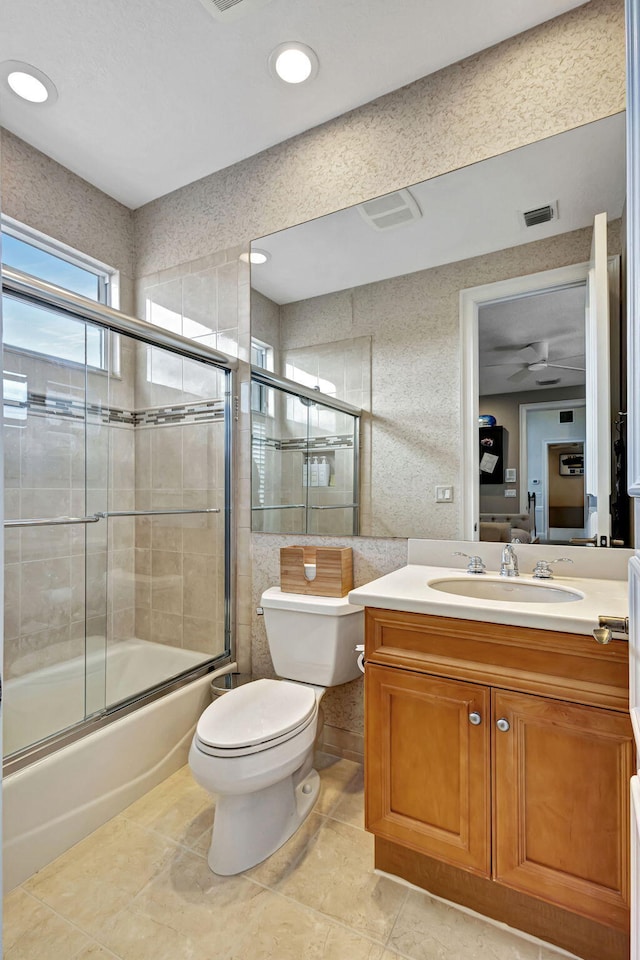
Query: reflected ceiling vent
[[538, 215], [393, 210], [227, 10]]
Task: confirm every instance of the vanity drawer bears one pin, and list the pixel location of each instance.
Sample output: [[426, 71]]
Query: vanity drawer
[[566, 666]]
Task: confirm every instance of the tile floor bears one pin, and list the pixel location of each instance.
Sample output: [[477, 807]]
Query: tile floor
[[139, 888]]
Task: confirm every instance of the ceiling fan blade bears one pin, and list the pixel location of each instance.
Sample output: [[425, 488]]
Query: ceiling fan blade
[[562, 366], [519, 375], [535, 352]]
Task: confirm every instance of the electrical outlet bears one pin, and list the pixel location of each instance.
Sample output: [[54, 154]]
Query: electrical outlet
[[510, 492], [444, 494]]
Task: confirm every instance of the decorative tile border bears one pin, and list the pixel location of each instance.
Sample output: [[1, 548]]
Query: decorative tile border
[[69, 408], [343, 442]]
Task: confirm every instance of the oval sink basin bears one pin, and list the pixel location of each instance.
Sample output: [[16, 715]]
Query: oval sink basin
[[507, 590]]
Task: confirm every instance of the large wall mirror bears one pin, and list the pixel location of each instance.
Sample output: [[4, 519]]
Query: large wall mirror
[[458, 315]]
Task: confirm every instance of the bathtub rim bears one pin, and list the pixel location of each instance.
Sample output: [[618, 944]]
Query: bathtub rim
[[44, 748]]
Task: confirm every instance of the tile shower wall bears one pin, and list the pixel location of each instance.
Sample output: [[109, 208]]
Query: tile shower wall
[[206, 300], [179, 597]]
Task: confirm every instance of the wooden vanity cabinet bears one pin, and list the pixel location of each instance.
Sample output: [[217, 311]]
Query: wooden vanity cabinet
[[428, 774], [499, 758]]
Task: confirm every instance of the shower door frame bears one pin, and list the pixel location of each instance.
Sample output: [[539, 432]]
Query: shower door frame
[[47, 294]]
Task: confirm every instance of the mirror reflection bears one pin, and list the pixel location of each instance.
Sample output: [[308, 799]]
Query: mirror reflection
[[477, 280]]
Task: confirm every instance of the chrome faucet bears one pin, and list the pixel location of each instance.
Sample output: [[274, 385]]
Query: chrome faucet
[[509, 562]]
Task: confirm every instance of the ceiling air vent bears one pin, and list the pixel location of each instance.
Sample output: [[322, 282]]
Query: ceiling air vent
[[227, 10], [538, 215], [392, 210]]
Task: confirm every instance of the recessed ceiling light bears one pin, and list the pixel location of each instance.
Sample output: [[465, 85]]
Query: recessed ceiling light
[[28, 83], [255, 256], [293, 62]]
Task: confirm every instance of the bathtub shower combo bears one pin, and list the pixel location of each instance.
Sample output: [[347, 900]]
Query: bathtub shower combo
[[117, 559]]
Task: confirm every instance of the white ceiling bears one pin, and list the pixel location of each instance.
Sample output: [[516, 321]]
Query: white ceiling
[[154, 94], [508, 326]]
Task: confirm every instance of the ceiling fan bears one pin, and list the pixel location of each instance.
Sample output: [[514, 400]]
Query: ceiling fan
[[535, 357]]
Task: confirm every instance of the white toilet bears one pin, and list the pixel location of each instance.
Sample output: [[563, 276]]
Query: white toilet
[[253, 747]]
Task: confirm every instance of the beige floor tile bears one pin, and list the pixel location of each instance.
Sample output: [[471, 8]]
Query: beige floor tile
[[336, 877], [95, 952], [201, 844], [178, 808], [279, 865], [350, 808], [335, 776], [32, 930], [94, 880], [287, 931], [427, 929], [135, 936], [185, 909]]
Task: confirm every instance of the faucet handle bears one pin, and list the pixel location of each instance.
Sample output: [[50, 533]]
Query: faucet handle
[[475, 565], [542, 569]]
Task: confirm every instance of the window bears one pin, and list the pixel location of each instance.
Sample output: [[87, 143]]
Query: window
[[38, 329], [261, 356], [46, 259]]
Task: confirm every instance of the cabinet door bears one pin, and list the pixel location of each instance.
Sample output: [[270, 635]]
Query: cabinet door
[[427, 765], [561, 804]]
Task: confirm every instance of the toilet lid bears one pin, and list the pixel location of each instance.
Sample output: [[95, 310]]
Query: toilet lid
[[256, 713]]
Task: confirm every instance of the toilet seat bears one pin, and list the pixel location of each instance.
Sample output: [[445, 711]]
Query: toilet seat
[[255, 717]]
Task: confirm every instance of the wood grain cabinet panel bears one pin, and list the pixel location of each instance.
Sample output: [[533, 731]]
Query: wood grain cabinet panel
[[428, 784], [561, 804]]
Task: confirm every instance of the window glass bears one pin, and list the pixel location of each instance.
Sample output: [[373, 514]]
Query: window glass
[[45, 265], [45, 331]]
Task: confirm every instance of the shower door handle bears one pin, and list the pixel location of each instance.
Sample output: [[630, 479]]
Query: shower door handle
[[52, 521]]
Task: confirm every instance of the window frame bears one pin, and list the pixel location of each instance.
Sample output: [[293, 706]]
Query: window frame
[[108, 285]]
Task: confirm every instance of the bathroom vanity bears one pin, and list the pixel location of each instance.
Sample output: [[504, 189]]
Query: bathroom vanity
[[499, 754]]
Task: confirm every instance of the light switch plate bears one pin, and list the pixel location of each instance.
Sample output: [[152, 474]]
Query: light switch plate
[[511, 492], [444, 494], [510, 475]]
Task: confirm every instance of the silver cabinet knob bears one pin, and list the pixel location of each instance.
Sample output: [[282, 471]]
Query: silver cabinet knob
[[503, 724], [475, 718]]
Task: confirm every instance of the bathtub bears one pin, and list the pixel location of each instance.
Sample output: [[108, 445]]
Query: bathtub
[[56, 801]]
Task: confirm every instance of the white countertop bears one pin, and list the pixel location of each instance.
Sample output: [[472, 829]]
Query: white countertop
[[408, 589]]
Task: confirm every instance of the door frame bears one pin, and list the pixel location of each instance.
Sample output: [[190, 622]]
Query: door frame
[[526, 408], [471, 300]]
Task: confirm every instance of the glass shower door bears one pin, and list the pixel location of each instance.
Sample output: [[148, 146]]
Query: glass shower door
[[117, 565], [167, 607], [55, 549]]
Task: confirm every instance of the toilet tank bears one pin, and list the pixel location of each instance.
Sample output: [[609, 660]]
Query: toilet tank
[[313, 639]]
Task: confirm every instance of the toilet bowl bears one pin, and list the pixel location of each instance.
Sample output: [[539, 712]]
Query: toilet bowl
[[253, 747]]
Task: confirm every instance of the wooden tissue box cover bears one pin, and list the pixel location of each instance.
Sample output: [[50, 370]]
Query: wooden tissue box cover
[[334, 570]]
